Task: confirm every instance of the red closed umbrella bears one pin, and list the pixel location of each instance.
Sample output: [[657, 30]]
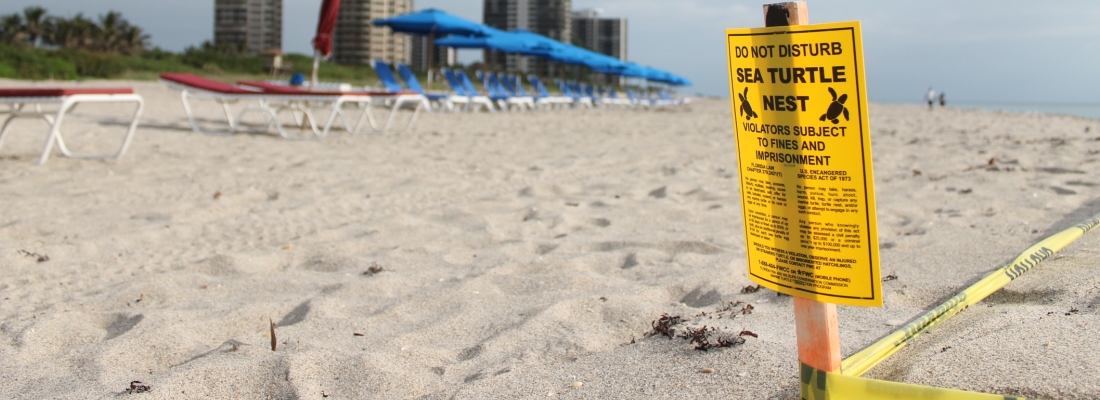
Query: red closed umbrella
[[322, 43]]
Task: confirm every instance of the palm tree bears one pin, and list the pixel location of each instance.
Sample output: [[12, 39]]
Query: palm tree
[[111, 26], [133, 40], [33, 25], [11, 29]]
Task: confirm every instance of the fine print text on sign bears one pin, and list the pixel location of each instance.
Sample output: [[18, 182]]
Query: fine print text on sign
[[804, 152]]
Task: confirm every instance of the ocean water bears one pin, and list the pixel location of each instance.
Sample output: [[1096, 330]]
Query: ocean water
[[1079, 109]]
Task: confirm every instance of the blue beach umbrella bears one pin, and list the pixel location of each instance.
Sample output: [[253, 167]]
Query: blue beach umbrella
[[433, 22], [493, 39]]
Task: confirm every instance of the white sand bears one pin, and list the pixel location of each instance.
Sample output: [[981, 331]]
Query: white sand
[[521, 253]]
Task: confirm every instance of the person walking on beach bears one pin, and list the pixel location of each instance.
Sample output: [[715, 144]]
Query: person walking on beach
[[931, 97], [943, 100]]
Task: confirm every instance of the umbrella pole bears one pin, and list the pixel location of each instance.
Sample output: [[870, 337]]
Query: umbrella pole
[[316, 63], [431, 54]]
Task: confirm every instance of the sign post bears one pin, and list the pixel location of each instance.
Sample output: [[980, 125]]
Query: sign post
[[804, 153]]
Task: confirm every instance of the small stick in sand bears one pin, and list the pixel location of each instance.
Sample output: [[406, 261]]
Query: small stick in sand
[[274, 342]]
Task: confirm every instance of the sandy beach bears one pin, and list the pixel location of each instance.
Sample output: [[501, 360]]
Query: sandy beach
[[518, 255]]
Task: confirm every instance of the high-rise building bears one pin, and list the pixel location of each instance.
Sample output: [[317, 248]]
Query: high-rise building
[[253, 25], [356, 41], [440, 57], [549, 18], [602, 35]]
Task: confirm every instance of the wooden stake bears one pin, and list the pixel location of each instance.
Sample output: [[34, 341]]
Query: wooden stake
[[784, 14], [816, 323]]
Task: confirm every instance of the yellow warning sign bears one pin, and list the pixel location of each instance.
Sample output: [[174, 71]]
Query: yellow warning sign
[[804, 152]]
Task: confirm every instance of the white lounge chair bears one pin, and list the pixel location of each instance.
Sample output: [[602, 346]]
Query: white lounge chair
[[27, 103], [270, 101]]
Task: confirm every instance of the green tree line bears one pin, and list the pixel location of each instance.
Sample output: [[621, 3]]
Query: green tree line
[[36, 45]]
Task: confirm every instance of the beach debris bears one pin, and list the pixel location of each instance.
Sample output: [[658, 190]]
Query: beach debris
[[705, 337], [288, 247], [373, 269], [323, 394], [1072, 311], [664, 326], [895, 322], [572, 204], [356, 334], [138, 387], [217, 195], [889, 278], [945, 349], [701, 338], [274, 342], [706, 370], [38, 257], [751, 289], [965, 191], [577, 384], [659, 193]]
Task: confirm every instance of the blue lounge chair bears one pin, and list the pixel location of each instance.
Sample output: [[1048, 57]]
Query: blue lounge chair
[[543, 97], [494, 91], [467, 84], [441, 100], [510, 84], [637, 100], [400, 97], [596, 100], [472, 98], [614, 99], [571, 89], [514, 100]]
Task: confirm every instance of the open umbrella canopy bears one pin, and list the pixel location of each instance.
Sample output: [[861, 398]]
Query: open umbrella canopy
[[433, 21], [518, 41], [492, 38], [532, 44]]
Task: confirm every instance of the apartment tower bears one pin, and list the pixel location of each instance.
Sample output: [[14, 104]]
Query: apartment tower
[[252, 25], [602, 35], [439, 56], [356, 41], [550, 18]]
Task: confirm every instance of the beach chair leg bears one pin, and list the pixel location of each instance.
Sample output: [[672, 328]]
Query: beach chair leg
[[423, 103], [307, 116], [69, 104], [368, 116], [194, 124], [393, 113], [337, 110], [55, 131], [133, 128], [4, 128]]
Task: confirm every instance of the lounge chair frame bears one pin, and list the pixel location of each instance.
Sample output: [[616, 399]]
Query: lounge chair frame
[[395, 100], [18, 108]]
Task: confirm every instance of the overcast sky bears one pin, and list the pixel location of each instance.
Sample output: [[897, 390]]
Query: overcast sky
[[975, 50]]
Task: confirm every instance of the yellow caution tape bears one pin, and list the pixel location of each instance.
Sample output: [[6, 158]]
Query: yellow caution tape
[[866, 359], [821, 385]]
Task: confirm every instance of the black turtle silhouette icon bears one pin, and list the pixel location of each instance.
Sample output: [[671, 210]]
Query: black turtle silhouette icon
[[836, 108], [746, 108]]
